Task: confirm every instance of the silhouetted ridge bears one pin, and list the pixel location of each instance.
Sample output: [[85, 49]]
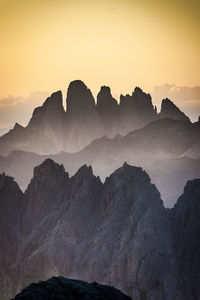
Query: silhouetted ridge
[[79, 98], [51, 110], [61, 288], [84, 171], [18, 127], [50, 172], [171, 111], [128, 172], [136, 110], [108, 111], [5, 180], [52, 130]]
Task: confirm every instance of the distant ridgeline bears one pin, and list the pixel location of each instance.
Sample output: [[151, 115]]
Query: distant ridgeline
[[52, 130]]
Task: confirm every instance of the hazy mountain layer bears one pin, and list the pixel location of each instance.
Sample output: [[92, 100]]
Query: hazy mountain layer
[[159, 148], [52, 130]]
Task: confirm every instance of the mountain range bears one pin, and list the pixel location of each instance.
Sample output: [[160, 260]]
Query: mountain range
[[52, 130], [163, 148], [116, 233], [113, 217]]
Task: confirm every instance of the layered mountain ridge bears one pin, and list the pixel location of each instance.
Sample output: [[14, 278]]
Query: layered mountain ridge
[[161, 148], [116, 233], [52, 130]]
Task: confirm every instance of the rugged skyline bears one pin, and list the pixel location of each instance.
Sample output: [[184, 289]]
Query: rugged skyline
[[100, 149], [105, 134], [116, 233]]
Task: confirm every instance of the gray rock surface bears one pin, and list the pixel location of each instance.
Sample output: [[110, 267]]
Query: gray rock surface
[[109, 112], [186, 226], [136, 110], [171, 111], [117, 233], [83, 123]]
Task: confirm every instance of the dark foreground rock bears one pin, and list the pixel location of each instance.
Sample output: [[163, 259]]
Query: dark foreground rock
[[61, 288]]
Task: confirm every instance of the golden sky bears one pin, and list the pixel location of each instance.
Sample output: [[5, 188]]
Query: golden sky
[[45, 44]]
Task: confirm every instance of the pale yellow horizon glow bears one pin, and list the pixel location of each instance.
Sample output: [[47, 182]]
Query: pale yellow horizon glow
[[45, 44]]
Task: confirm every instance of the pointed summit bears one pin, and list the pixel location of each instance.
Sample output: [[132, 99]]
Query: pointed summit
[[18, 126], [83, 123], [50, 171], [136, 110], [108, 111], [171, 111], [52, 110], [79, 99], [54, 100]]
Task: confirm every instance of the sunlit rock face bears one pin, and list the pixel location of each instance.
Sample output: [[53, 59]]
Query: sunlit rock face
[[186, 226], [60, 288], [117, 233], [171, 111]]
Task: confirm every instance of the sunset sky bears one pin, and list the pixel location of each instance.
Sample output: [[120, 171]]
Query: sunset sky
[[45, 44]]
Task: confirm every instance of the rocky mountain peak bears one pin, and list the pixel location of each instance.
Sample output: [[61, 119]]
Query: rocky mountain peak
[[18, 126], [108, 111], [85, 176], [171, 111], [79, 98], [50, 173], [104, 98], [138, 90], [55, 100], [131, 174], [51, 111], [84, 171], [5, 180]]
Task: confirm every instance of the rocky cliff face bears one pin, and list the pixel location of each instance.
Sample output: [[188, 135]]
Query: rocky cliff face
[[60, 288], [11, 213], [45, 132], [186, 225], [83, 123], [52, 130], [171, 111], [108, 111], [116, 233], [136, 110]]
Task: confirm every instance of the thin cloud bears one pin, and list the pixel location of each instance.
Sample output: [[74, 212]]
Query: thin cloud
[[186, 98], [18, 109]]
